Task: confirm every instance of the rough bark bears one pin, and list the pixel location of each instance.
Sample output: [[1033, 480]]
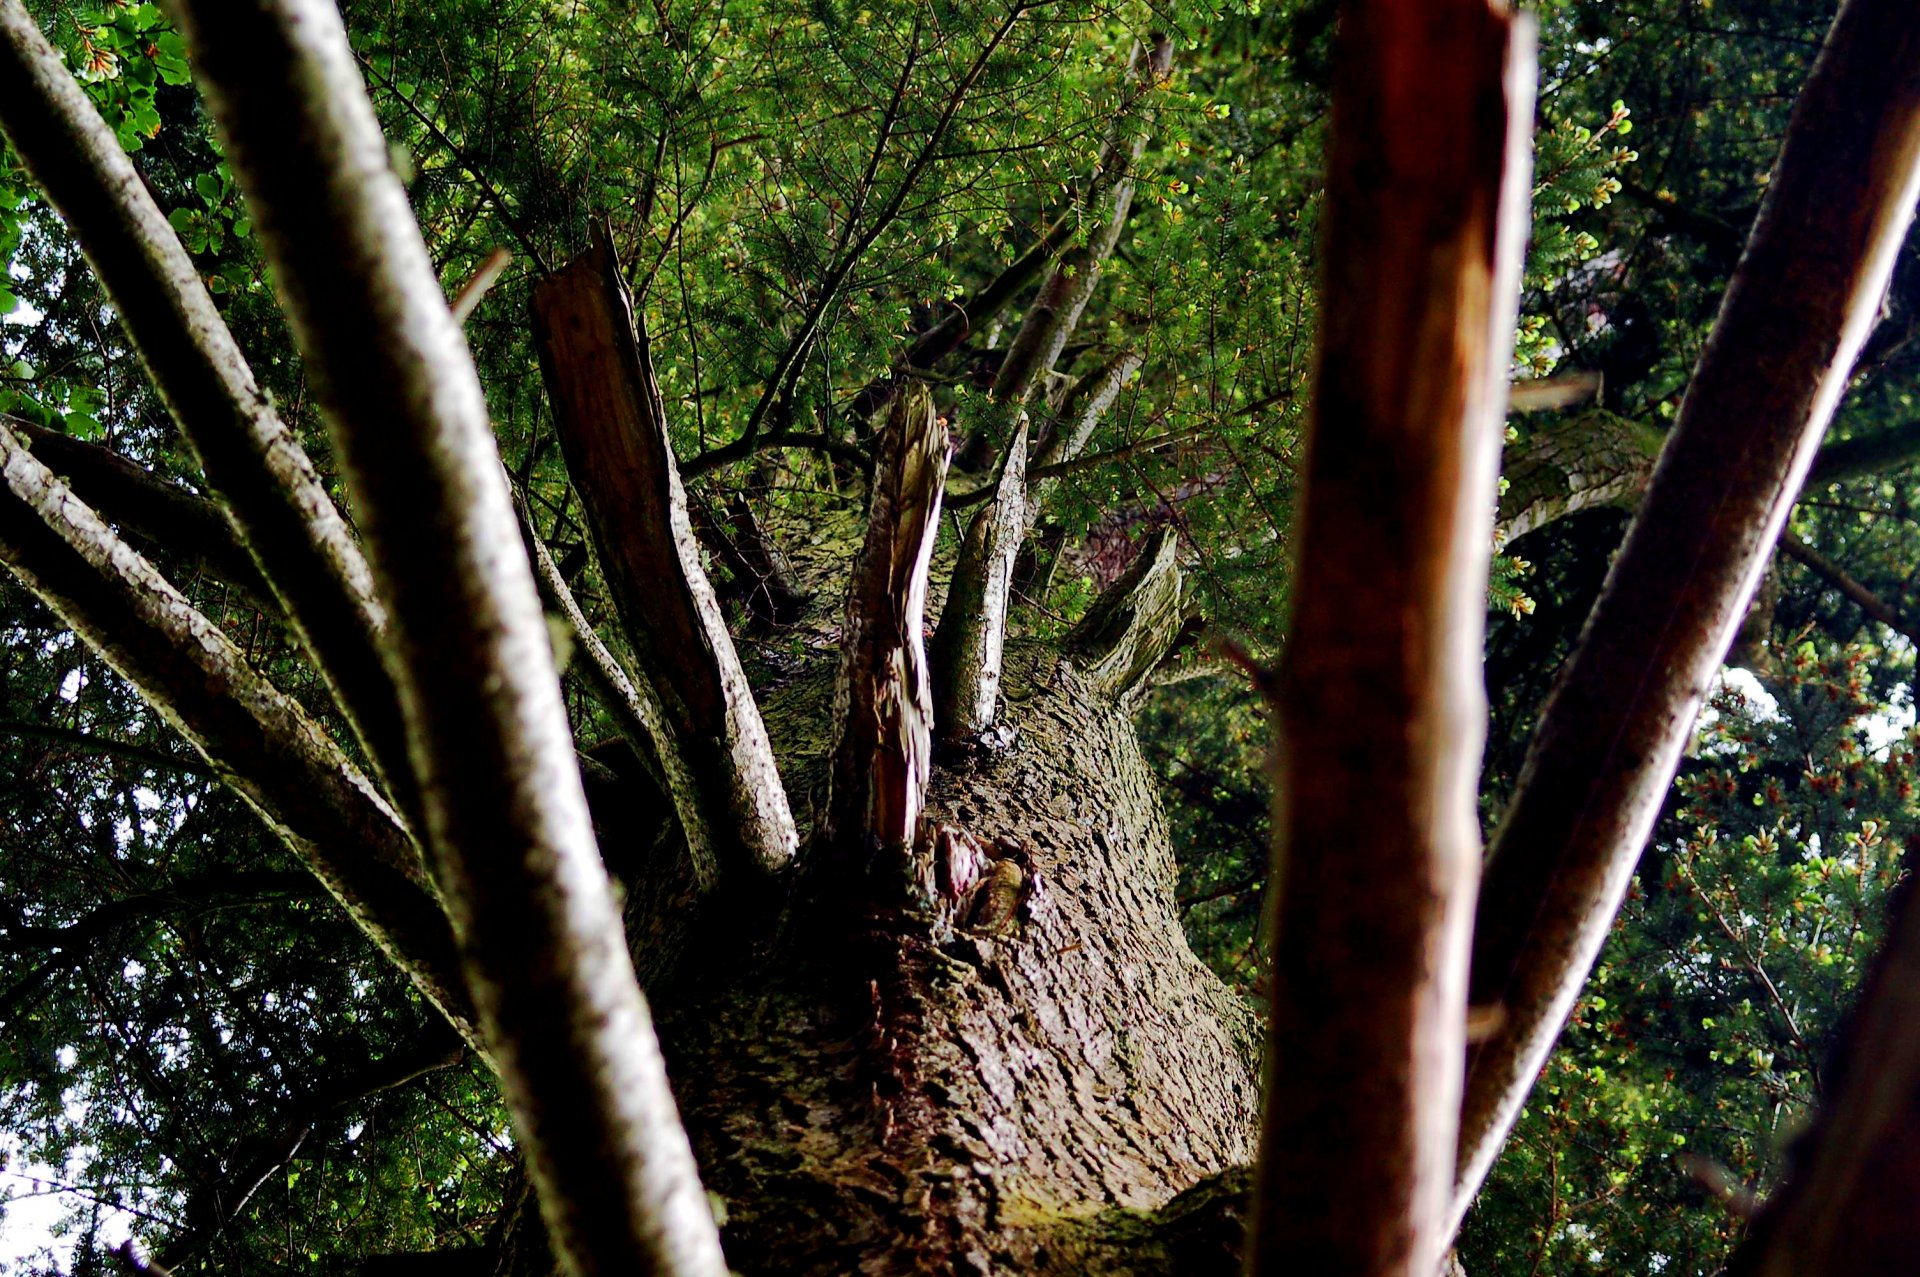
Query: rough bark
[[258, 741], [1593, 460], [1801, 303], [252, 461], [1382, 712], [1021, 1096], [883, 704], [613, 433], [541, 937], [972, 635], [1123, 636]]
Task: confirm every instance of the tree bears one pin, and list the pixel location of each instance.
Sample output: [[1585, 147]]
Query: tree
[[903, 910]]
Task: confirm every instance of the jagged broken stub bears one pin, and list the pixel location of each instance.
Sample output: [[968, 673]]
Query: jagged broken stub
[[612, 425], [969, 644], [1121, 639], [883, 753]]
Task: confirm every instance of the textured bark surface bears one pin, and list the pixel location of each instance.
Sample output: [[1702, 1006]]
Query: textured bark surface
[[869, 1099], [613, 432], [1593, 460], [1130, 626], [1802, 301]]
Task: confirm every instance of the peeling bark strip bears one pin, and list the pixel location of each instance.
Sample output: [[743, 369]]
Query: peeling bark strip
[[883, 707], [968, 646], [1382, 714], [541, 939], [253, 463], [259, 742], [613, 433], [1132, 624], [1801, 303]]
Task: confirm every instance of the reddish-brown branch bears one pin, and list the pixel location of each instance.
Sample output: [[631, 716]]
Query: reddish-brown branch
[[1802, 301], [1376, 844], [613, 433]]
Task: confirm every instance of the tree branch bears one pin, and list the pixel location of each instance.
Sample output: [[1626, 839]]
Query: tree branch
[[972, 633], [612, 424], [1802, 301], [541, 939], [1120, 641], [257, 740], [1382, 709], [253, 463]]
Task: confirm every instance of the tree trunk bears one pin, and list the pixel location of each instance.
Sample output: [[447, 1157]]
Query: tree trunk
[[1014, 1094]]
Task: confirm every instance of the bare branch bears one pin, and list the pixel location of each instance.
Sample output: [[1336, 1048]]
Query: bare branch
[[613, 432], [1382, 709], [967, 645], [257, 740], [1593, 460], [1120, 641], [541, 939], [164, 513], [1053, 315], [253, 462], [1801, 303]]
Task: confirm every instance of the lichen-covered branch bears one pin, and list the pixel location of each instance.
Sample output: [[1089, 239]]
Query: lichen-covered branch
[[972, 634], [253, 462], [1081, 410], [123, 493], [541, 938], [641, 719], [1593, 460], [1802, 301], [613, 433], [1053, 314], [883, 706], [256, 739], [1121, 639], [1381, 704]]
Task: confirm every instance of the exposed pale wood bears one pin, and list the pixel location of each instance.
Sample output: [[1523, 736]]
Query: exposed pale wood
[[883, 706], [1802, 301], [253, 464], [613, 433], [1382, 711], [968, 645], [254, 738], [1123, 636], [541, 937]]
